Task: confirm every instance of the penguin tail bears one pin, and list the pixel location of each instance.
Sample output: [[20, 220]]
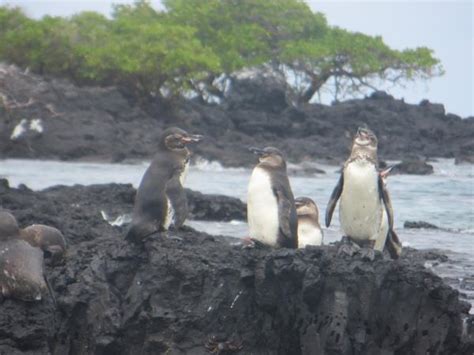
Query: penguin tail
[[394, 245]]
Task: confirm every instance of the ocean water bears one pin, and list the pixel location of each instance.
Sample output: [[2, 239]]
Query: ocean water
[[445, 199]]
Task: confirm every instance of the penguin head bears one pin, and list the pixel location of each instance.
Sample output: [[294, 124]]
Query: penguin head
[[365, 142], [269, 156], [306, 207], [175, 138], [8, 225]]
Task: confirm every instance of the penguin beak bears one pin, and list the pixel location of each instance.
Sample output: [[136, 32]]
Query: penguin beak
[[362, 132], [191, 138], [256, 151]]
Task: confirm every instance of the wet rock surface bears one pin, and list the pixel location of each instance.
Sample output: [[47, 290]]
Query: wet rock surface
[[62, 121], [172, 296], [419, 225], [210, 207], [413, 167]]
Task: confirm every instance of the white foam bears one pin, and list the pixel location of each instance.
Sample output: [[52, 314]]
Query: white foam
[[117, 222], [206, 165]]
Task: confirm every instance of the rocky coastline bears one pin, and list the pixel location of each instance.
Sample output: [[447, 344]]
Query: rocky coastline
[[45, 118], [195, 293], [191, 294]]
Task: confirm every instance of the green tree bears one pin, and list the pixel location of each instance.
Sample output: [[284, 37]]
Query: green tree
[[351, 62], [246, 33], [152, 55], [197, 45]]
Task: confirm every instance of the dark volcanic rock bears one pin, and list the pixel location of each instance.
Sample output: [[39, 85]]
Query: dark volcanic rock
[[170, 296], [413, 167], [215, 207], [101, 123], [464, 159], [419, 224], [118, 199]]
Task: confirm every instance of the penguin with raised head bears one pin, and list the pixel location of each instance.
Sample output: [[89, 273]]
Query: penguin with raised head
[[309, 230], [160, 203], [365, 209], [271, 211]]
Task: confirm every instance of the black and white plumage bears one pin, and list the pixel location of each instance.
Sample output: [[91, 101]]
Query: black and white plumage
[[365, 209], [271, 211], [309, 230], [161, 202]]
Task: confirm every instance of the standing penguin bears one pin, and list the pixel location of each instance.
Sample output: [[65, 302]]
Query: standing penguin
[[161, 202], [365, 209], [309, 230], [271, 211]]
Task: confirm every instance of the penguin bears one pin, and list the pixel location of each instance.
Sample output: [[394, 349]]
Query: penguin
[[365, 209], [271, 211], [160, 202], [309, 230], [48, 239], [21, 265]]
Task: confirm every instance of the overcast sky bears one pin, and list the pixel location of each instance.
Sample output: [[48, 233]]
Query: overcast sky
[[445, 26]]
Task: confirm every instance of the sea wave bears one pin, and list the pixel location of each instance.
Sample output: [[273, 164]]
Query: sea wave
[[213, 166]]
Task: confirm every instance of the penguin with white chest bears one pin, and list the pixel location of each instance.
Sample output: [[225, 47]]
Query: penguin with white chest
[[160, 203], [309, 230], [365, 209], [271, 210]]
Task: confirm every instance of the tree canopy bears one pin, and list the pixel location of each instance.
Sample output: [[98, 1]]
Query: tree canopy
[[192, 45]]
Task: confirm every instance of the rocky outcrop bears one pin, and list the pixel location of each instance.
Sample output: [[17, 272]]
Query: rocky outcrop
[[178, 295], [50, 118], [215, 207], [419, 225], [413, 167]]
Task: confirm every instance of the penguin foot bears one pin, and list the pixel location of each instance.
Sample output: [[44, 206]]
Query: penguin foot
[[348, 249], [173, 237], [367, 254], [247, 243]]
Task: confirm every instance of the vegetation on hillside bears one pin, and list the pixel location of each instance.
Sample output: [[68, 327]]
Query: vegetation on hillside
[[198, 46]]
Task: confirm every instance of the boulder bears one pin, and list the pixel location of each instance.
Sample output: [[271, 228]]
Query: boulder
[[413, 167]]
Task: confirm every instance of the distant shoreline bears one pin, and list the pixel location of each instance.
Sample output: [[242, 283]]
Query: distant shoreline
[[56, 120]]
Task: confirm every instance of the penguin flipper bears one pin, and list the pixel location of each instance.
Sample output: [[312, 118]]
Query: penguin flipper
[[178, 199], [336, 193], [288, 220], [385, 197], [393, 244]]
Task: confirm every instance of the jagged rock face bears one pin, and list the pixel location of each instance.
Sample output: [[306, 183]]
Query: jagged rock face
[[171, 296], [413, 167], [56, 120], [215, 207]]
